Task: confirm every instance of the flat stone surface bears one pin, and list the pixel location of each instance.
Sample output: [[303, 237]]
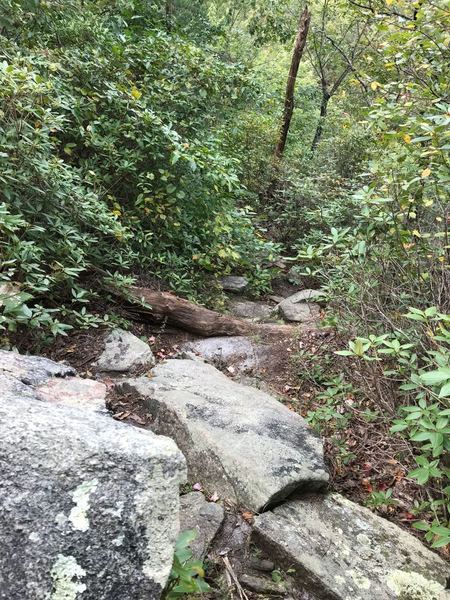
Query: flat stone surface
[[89, 506], [32, 370], [253, 310], [307, 296], [237, 440], [42, 379], [124, 352], [343, 551], [203, 517], [74, 391], [239, 352], [234, 283]]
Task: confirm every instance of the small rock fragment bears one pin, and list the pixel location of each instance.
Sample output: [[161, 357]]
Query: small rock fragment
[[261, 585], [297, 307], [203, 517], [234, 283], [252, 310]]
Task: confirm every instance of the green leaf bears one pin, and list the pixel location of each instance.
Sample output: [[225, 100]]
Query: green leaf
[[435, 377]]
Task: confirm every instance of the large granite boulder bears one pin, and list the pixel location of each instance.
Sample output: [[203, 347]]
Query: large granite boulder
[[340, 550], [203, 517], [124, 352], [89, 505], [238, 441]]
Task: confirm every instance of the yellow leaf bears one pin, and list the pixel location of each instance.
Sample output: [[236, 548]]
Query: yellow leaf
[[389, 2], [135, 92], [416, 233], [426, 173], [428, 202], [374, 85], [407, 138]]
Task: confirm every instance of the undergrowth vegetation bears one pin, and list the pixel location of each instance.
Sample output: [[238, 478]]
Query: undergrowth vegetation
[[111, 155]]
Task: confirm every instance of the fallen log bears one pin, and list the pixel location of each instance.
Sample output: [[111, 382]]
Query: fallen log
[[184, 314]]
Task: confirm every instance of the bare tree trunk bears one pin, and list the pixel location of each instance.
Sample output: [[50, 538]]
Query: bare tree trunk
[[323, 113], [169, 14], [297, 53]]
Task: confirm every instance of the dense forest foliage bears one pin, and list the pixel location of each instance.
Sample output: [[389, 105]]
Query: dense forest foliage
[[137, 141]]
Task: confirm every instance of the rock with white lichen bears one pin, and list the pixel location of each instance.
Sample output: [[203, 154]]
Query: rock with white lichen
[[342, 551], [124, 352], [88, 505]]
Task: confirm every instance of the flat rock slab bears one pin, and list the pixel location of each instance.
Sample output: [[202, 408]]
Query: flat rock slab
[[204, 517], [124, 352], [237, 440], [32, 370], [42, 379], [343, 551], [239, 352], [89, 506], [253, 310], [234, 283]]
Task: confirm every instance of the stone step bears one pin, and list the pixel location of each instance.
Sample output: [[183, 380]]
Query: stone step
[[238, 441], [342, 551]]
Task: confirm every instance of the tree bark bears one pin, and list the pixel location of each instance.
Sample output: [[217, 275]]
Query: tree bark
[[323, 113], [184, 314], [299, 45]]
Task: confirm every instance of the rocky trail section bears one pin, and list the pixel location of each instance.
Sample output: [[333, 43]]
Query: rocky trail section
[[67, 467], [237, 440]]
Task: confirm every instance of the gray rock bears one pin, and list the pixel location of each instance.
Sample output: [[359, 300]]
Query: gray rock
[[42, 379], [239, 352], [254, 310], [307, 296], [89, 506], [32, 370], [124, 352], [234, 283], [237, 440], [261, 585], [341, 550], [295, 308], [203, 517]]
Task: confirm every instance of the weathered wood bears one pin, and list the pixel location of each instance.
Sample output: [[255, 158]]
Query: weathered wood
[[187, 315]]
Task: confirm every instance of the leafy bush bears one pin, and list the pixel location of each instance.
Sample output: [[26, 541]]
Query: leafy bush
[[109, 156]]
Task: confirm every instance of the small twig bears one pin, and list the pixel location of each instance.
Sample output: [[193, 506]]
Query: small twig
[[232, 575]]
